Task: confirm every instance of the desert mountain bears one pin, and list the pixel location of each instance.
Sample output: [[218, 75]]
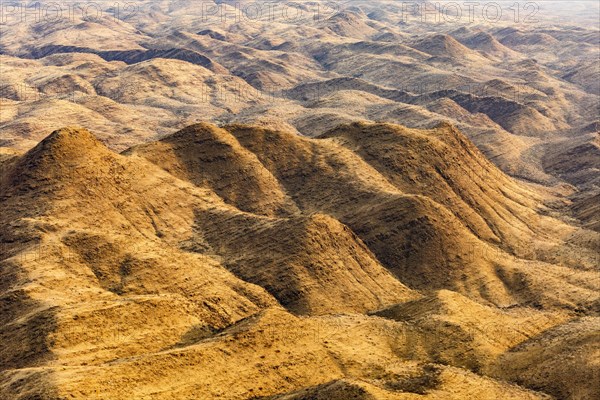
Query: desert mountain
[[234, 63], [299, 200], [446, 47], [227, 233]]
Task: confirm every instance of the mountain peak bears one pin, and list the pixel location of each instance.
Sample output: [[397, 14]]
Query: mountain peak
[[66, 144], [64, 149], [69, 136], [195, 132], [445, 46]]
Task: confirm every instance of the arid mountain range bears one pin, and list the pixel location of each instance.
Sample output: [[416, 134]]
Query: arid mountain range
[[308, 200], [240, 261]]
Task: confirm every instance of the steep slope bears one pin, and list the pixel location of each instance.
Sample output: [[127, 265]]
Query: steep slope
[[312, 265], [278, 247], [418, 239], [110, 228], [584, 76], [123, 279], [586, 207], [445, 46], [577, 160], [489, 45], [322, 176], [130, 208], [516, 38], [443, 165], [363, 260], [84, 274], [515, 117], [349, 24], [212, 157]]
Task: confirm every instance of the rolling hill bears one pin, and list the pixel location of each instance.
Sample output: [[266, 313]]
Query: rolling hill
[[321, 263]]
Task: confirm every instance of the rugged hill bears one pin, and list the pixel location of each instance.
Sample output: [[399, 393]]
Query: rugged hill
[[576, 160], [445, 46], [298, 200], [210, 156], [148, 70], [488, 45], [218, 260], [587, 210]]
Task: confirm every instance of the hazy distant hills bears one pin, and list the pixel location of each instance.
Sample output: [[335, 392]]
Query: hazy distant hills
[[243, 241], [174, 66]]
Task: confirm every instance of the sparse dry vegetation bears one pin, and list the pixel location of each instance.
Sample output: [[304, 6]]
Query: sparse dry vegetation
[[357, 205]]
